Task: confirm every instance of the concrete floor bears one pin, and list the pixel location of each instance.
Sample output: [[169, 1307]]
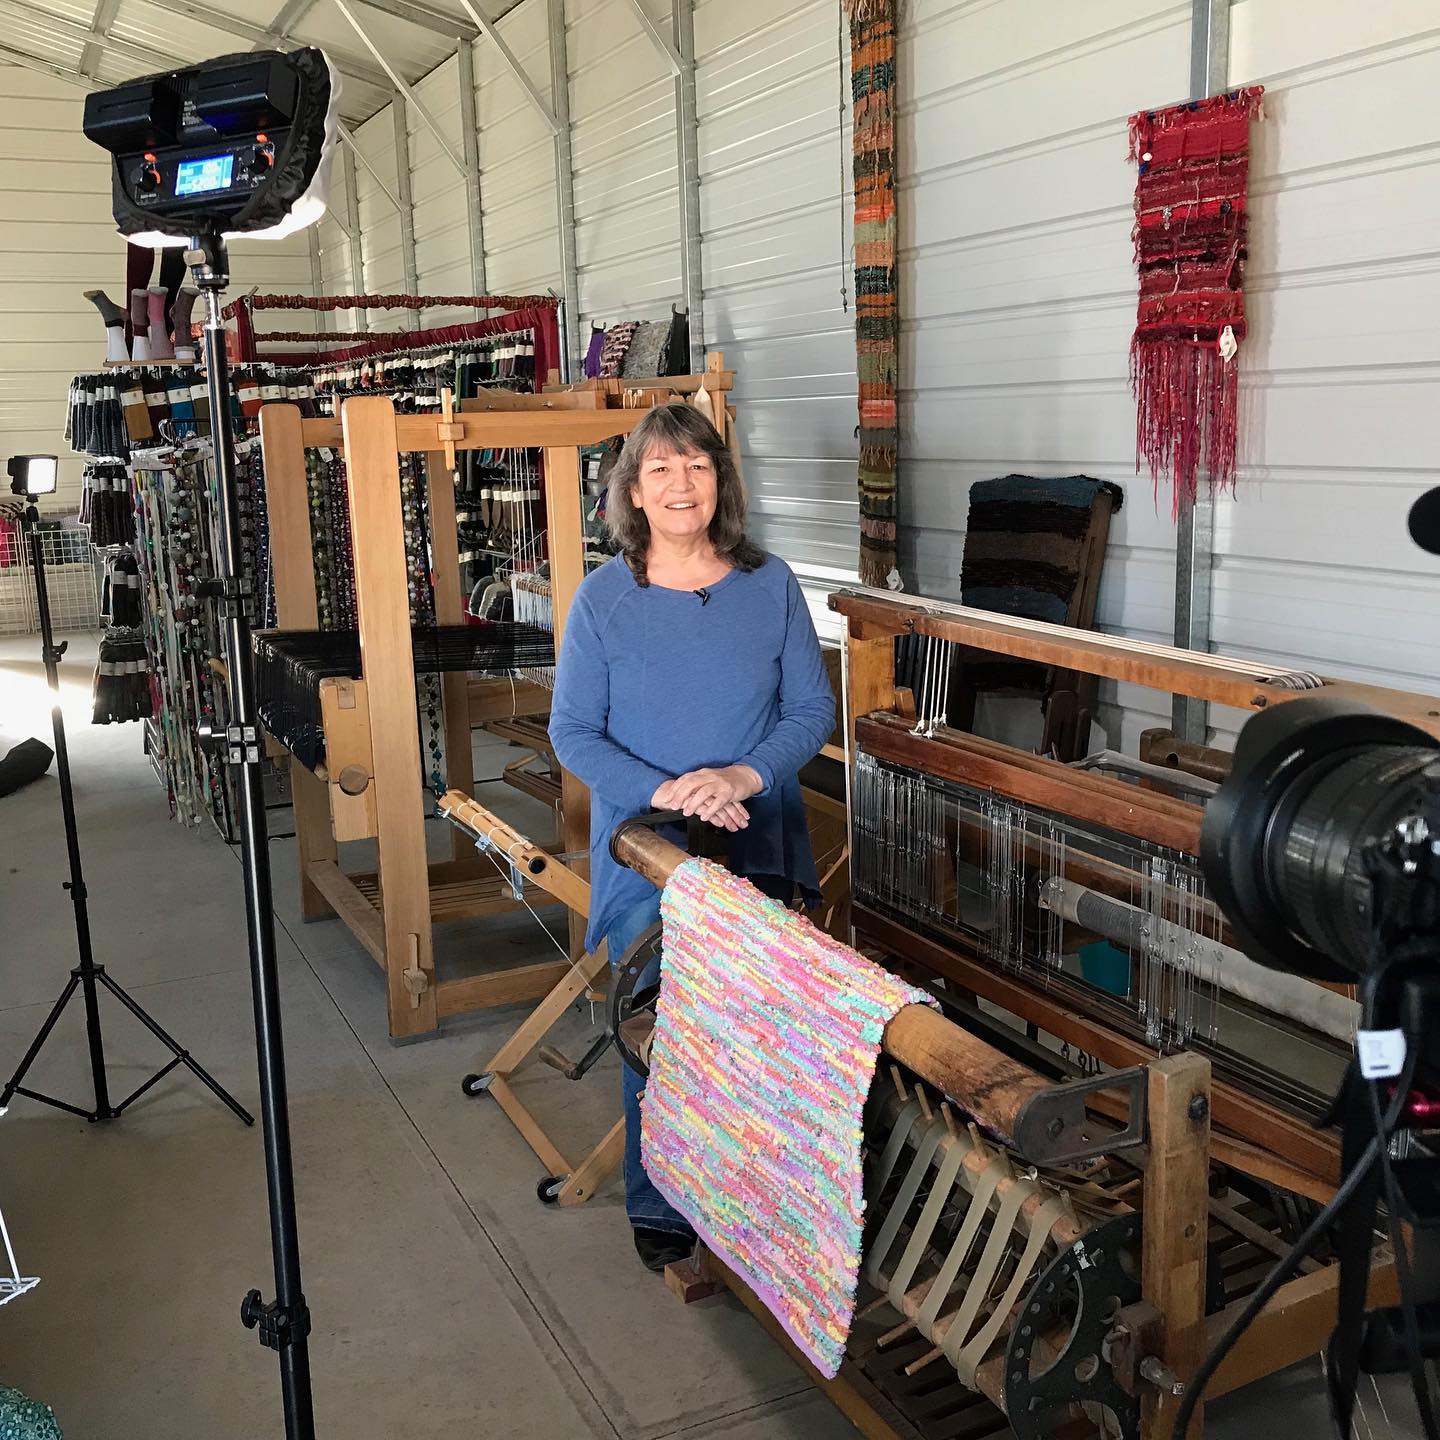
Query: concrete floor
[[447, 1301]]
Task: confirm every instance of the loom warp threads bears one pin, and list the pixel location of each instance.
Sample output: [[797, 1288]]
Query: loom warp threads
[[972, 864], [290, 664]]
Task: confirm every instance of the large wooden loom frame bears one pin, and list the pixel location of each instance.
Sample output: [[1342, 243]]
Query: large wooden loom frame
[[1250, 1136], [372, 782]]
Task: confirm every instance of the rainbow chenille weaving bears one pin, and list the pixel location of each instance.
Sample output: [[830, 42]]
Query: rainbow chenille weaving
[[766, 1041]]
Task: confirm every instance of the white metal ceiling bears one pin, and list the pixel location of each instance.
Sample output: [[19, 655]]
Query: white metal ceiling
[[104, 42]]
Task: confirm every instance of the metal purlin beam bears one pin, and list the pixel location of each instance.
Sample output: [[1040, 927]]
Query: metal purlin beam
[[78, 30], [1195, 529], [487, 28], [407, 198], [248, 30], [100, 23], [564, 177], [352, 229], [291, 14], [470, 143], [670, 53], [415, 13], [400, 84], [687, 140], [62, 73], [317, 280], [347, 138]]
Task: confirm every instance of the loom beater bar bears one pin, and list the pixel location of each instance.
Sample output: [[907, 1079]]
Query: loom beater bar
[[987, 1084]]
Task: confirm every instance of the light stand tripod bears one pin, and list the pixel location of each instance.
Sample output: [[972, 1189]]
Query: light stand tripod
[[87, 977], [284, 1323]]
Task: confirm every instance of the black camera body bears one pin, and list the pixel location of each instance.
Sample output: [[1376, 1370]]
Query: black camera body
[[230, 145]]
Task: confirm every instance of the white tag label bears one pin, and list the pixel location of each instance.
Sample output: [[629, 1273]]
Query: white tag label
[[1381, 1052], [1228, 344]]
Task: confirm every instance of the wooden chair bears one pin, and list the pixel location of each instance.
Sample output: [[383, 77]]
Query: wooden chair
[[1035, 548]]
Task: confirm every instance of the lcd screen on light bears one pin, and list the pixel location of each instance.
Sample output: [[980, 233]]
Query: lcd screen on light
[[203, 177]]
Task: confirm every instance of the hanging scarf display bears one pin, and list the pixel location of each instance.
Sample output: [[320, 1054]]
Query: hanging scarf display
[[1190, 234], [121, 690], [877, 300], [106, 505], [153, 498], [176, 538]]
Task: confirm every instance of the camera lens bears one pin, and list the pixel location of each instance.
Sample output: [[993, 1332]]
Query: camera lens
[[1318, 787], [1320, 833]]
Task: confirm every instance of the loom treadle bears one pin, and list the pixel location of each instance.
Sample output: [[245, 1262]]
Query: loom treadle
[[541, 787], [460, 899], [529, 734]]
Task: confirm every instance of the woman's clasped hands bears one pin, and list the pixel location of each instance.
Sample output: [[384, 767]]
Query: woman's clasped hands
[[715, 795]]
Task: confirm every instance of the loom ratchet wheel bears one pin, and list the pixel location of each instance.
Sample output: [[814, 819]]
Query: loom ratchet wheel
[[1058, 1355], [630, 1014]]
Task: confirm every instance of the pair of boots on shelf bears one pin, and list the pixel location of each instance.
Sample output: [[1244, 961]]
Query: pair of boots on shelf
[[148, 324]]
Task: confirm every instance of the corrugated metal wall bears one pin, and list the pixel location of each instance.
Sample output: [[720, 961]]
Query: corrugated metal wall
[[774, 203], [1341, 384], [1017, 287], [627, 208], [56, 241], [517, 185]]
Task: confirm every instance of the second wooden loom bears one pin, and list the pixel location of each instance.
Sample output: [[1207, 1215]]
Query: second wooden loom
[[371, 785]]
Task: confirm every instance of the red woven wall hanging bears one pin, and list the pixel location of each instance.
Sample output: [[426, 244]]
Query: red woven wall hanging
[[1190, 228]]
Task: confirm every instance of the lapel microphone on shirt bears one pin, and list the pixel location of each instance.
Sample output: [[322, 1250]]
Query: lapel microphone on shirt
[[704, 597]]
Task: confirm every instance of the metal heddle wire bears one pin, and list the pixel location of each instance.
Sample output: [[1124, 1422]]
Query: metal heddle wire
[[977, 864]]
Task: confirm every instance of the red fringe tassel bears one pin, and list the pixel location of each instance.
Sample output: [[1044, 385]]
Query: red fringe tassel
[[1186, 415]]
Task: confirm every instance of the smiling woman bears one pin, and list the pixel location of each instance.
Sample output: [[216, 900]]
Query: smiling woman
[[676, 504], [690, 679]]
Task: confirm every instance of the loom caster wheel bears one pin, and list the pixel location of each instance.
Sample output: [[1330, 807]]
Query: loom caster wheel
[[1081, 1289], [477, 1084], [548, 1190]]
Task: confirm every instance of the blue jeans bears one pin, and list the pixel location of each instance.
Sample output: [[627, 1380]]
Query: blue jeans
[[645, 1206]]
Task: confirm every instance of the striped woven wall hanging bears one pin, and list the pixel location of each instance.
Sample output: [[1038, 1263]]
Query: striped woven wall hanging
[[877, 300], [1190, 238]]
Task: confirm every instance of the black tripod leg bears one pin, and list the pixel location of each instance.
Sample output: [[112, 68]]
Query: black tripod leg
[[39, 1040], [183, 1056]]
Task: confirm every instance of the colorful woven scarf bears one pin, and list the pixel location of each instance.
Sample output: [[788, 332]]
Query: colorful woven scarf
[[877, 300], [766, 1042], [1190, 227]]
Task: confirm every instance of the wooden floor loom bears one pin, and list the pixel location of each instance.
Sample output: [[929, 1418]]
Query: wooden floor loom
[[1155, 1092], [568, 1182], [371, 782]]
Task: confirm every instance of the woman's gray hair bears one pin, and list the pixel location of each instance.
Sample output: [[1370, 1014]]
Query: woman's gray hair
[[682, 430]]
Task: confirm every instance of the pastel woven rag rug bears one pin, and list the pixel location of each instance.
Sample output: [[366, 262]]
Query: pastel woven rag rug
[[766, 1042]]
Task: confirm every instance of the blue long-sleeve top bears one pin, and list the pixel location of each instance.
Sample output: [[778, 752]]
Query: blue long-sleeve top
[[653, 682]]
